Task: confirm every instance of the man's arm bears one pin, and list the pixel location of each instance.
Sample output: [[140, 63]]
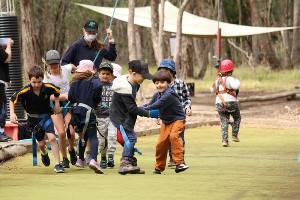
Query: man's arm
[[13, 116]]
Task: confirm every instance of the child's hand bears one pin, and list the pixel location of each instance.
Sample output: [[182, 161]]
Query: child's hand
[[158, 121], [13, 118], [188, 111]]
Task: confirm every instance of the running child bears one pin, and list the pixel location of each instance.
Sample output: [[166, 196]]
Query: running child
[[226, 88], [173, 122], [124, 111], [181, 88], [85, 95], [35, 98], [107, 131], [60, 76]]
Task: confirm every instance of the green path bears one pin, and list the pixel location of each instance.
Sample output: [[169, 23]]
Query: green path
[[262, 166]]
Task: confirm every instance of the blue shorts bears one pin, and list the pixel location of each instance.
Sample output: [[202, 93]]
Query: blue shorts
[[39, 132]]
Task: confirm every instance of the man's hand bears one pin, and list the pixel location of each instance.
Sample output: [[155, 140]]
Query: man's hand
[[10, 42], [110, 35]]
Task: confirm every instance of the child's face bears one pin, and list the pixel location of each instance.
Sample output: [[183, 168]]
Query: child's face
[[105, 76], [54, 68], [36, 83], [137, 78], [161, 86]]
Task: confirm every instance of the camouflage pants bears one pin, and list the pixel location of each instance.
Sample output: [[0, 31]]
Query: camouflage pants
[[232, 109]]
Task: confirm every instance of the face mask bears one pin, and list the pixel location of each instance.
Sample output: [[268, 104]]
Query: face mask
[[90, 38]]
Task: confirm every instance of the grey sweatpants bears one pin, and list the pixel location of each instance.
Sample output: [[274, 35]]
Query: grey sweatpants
[[107, 136]]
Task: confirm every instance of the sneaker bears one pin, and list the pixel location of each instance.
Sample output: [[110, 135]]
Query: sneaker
[[45, 159], [110, 161], [65, 163], [180, 168], [95, 166], [80, 163], [59, 168], [73, 157], [103, 163], [225, 143], [235, 138], [127, 168], [171, 164], [156, 171], [4, 138]]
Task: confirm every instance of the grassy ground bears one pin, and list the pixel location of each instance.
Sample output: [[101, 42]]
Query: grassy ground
[[262, 166]]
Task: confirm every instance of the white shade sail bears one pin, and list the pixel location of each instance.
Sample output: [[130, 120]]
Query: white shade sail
[[192, 25]]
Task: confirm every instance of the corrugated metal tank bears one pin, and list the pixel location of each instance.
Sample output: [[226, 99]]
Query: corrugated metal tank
[[9, 29]]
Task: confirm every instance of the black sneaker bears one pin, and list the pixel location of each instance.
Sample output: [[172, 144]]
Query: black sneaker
[[59, 168], [156, 171], [73, 157], [181, 168], [110, 161], [103, 163], [4, 138], [65, 163], [45, 159]]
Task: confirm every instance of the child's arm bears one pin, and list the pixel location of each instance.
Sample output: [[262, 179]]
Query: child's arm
[[163, 101], [132, 108], [13, 116], [187, 102]]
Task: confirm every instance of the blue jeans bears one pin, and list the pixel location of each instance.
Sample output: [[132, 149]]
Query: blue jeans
[[3, 106], [128, 151]]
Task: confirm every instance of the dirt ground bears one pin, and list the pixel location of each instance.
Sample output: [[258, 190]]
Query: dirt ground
[[279, 113]]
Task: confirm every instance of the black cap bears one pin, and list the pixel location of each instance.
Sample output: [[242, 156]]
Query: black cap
[[91, 25], [140, 67]]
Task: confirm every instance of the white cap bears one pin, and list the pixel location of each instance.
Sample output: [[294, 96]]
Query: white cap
[[117, 70]]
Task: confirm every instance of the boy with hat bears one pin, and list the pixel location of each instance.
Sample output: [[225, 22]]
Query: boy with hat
[[87, 46], [124, 111], [107, 132]]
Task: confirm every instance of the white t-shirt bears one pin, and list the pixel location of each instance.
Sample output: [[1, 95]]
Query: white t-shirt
[[231, 83], [61, 81]]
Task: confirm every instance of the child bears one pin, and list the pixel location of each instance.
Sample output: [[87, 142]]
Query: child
[[180, 87], [173, 122], [106, 130], [60, 76], [85, 95], [226, 88], [124, 111], [35, 98]]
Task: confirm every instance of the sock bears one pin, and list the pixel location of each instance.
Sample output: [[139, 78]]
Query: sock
[[1, 131]]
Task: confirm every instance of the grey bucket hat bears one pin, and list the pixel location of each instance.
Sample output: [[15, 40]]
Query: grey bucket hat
[[52, 57]]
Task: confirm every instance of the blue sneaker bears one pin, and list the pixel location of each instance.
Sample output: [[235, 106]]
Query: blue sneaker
[[59, 168]]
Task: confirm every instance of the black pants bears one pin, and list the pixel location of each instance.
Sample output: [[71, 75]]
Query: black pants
[[3, 106]]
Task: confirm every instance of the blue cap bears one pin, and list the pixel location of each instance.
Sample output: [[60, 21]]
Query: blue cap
[[169, 64]]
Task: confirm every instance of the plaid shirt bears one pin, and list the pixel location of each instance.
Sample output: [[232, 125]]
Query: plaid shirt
[[182, 90]]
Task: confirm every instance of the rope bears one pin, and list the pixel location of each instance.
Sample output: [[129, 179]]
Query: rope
[[110, 24]]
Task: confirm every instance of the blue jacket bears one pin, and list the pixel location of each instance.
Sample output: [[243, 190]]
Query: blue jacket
[[80, 50], [87, 91], [169, 106]]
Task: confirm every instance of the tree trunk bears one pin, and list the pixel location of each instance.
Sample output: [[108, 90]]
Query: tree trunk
[[265, 40], [182, 72], [161, 30], [154, 29], [255, 39], [138, 43], [187, 56], [202, 47], [29, 47], [131, 31], [296, 34]]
